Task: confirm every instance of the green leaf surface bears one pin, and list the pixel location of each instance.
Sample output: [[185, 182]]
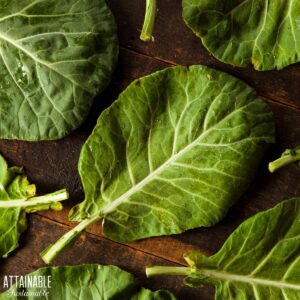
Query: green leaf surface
[[55, 56], [260, 260], [243, 32], [17, 197], [87, 282], [174, 152]]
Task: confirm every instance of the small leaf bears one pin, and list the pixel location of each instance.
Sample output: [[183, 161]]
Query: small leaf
[[17, 197]]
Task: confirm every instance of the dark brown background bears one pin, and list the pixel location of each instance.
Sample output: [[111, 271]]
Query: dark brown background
[[53, 165]]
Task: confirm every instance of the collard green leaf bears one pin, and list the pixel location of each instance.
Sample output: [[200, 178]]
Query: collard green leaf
[[243, 32], [260, 260], [289, 156], [174, 152], [17, 197], [86, 282], [54, 58]]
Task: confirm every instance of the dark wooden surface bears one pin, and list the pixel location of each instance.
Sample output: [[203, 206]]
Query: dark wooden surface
[[53, 165]]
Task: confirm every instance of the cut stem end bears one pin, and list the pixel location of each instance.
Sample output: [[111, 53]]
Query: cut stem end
[[52, 251], [284, 161], [148, 26]]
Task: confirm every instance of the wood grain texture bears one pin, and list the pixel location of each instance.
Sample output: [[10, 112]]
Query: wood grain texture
[[90, 249], [53, 165]]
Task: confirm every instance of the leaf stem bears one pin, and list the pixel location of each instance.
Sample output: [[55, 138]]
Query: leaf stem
[[52, 251], [163, 270], [284, 161], [35, 201], [148, 26]]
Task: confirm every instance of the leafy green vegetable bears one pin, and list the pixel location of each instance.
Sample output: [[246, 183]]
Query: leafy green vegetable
[[174, 152], [243, 32], [287, 157], [55, 56], [260, 260], [92, 282], [148, 26], [17, 197]]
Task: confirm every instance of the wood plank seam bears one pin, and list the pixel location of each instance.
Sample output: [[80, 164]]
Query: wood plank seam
[[98, 237], [173, 64]]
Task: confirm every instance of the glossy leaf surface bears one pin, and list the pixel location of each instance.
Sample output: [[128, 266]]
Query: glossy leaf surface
[[55, 56], [174, 152], [244, 32]]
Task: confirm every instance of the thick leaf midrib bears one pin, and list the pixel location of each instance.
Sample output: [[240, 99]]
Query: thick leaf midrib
[[224, 276], [34, 200], [38, 60], [111, 207], [22, 202]]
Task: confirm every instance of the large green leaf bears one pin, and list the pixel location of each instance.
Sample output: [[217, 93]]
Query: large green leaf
[[260, 260], [17, 197], [174, 152], [86, 282], [243, 32], [54, 58]]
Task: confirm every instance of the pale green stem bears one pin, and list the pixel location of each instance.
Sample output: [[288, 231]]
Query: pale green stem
[[163, 270], [284, 161], [52, 251], [148, 26], [35, 201]]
